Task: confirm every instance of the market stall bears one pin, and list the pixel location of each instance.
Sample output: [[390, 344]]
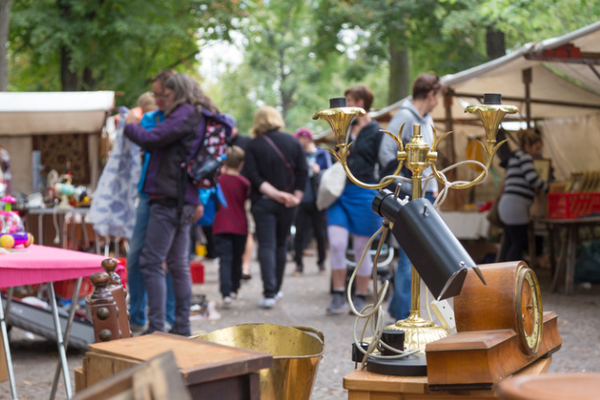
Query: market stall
[[62, 126]]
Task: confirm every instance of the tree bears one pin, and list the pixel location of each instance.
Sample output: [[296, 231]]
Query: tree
[[110, 44], [520, 22], [4, 24], [405, 36]]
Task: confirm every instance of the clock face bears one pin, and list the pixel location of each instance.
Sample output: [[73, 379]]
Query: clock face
[[529, 311]]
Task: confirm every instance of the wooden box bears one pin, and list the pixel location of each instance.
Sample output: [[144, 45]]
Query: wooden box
[[210, 371], [479, 359]]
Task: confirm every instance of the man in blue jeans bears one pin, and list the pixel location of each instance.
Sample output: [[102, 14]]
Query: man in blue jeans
[[138, 298], [426, 92]]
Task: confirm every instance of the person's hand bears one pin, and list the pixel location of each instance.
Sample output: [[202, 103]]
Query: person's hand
[[132, 118], [316, 168], [199, 213], [292, 201]]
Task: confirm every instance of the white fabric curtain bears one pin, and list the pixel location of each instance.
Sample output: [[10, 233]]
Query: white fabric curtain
[[573, 144]]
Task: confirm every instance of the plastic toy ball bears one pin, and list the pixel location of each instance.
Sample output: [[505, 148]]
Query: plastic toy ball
[[29, 240], [7, 242]]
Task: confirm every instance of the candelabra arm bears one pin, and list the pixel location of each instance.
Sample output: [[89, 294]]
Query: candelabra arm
[[489, 151], [342, 158]]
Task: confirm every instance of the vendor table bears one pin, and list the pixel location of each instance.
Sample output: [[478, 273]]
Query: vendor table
[[59, 223], [567, 257], [363, 385], [41, 264], [467, 225]]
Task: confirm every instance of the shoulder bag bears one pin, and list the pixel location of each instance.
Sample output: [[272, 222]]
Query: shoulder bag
[[331, 187]]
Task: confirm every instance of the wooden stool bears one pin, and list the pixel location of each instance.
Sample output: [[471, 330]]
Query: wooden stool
[[551, 387]]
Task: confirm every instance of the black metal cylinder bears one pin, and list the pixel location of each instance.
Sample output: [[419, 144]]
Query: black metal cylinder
[[392, 338], [492, 98], [337, 102], [432, 248]]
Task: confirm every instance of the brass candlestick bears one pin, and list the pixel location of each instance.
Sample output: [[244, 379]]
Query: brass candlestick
[[417, 155]]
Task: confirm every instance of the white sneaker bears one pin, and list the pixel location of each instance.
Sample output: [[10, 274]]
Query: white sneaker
[[279, 296], [267, 303], [233, 295], [227, 302]]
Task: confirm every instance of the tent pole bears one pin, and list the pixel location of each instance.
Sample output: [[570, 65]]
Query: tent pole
[[450, 151], [527, 79]]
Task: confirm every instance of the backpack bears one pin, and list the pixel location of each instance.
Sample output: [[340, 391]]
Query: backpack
[[212, 199], [203, 167]]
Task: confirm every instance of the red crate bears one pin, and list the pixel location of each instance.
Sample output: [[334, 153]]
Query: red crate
[[65, 288], [197, 272], [573, 205]]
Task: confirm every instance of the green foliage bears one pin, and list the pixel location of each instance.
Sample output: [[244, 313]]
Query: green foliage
[[123, 43], [296, 54]]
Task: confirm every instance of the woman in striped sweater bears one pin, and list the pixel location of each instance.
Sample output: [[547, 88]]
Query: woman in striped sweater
[[520, 186]]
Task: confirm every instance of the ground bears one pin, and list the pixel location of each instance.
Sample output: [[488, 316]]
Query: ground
[[304, 302]]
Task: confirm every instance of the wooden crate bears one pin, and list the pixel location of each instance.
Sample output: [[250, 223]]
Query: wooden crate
[[209, 370]]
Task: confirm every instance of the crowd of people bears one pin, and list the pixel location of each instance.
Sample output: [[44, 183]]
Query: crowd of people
[[268, 183]]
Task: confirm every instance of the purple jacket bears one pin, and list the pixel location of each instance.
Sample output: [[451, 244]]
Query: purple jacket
[[172, 143]]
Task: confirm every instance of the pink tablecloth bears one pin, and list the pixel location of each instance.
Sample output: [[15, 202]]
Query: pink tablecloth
[[37, 264]]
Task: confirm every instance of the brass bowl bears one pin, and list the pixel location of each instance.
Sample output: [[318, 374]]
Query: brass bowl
[[296, 354]]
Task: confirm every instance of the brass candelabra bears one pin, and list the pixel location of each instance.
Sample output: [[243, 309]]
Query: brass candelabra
[[418, 156]]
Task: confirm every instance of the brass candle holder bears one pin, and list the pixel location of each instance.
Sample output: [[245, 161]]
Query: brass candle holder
[[418, 156]]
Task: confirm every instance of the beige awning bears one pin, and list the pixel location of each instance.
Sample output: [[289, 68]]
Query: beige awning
[[32, 113]]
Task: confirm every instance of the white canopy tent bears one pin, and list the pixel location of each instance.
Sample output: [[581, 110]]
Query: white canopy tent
[[555, 82], [25, 114]]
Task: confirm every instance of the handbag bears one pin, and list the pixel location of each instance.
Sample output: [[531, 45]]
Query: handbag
[[493, 216], [331, 187]]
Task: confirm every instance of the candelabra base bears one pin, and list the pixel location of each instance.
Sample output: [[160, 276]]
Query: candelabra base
[[413, 365], [418, 332]]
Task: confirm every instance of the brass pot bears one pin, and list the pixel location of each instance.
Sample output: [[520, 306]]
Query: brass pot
[[296, 352]]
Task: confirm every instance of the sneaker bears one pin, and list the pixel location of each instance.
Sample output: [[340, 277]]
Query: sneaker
[[186, 334], [267, 303], [298, 272], [321, 268], [279, 296], [360, 302], [233, 295], [246, 277], [338, 304], [227, 302], [138, 328]]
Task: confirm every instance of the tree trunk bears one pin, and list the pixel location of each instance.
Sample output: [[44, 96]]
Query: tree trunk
[[89, 83], [68, 79], [399, 71], [4, 24], [495, 45]]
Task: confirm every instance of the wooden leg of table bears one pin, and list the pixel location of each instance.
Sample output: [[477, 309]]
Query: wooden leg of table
[[572, 239], [562, 260], [531, 238], [551, 248]]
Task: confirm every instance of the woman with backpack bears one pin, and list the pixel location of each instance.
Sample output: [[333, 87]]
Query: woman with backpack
[[173, 197]]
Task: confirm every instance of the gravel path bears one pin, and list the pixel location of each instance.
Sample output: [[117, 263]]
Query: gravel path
[[304, 302]]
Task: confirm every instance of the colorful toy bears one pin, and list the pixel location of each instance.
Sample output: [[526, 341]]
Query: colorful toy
[[69, 194], [12, 232]]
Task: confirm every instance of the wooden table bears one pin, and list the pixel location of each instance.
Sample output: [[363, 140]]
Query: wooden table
[[363, 385], [567, 256]]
